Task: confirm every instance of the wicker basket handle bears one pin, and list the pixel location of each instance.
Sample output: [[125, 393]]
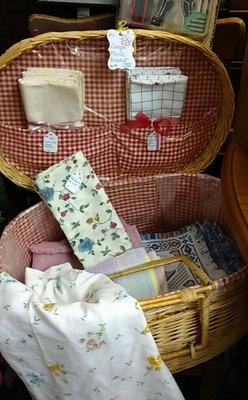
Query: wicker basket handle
[[198, 272], [185, 295]]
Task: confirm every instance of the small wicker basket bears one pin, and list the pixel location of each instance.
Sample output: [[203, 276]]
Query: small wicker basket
[[156, 192]]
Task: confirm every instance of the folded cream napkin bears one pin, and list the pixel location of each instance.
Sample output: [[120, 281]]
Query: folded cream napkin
[[56, 73], [52, 96], [156, 92]]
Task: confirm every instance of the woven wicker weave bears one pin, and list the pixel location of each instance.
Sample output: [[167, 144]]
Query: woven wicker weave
[[189, 326]]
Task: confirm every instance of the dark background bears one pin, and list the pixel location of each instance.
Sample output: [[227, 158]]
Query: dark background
[[224, 378]]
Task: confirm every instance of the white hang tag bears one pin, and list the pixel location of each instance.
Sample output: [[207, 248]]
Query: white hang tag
[[121, 49], [50, 142], [153, 141], [74, 182]]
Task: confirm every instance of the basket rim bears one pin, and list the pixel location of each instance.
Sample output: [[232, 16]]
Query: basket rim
[[226, 108], [156, 302]]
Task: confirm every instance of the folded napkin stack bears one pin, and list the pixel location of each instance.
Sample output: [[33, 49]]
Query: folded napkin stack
[[52, 95], [157, 92], [142, 284], [221, 246]]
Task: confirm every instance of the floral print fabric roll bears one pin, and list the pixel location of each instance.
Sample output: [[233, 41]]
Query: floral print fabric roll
[[70, 334], [81, 206]]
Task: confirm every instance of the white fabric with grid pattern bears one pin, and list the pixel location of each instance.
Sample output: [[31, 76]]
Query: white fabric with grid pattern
[[156, 92], [53, 96]]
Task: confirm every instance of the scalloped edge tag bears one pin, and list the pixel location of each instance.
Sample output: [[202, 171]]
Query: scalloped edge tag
[[121, 49]]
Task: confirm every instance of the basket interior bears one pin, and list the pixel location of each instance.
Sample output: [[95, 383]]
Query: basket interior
[[154, 204], [112, 152]]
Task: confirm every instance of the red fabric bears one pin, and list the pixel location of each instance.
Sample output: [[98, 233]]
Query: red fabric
[[111, 152], [160, 125]]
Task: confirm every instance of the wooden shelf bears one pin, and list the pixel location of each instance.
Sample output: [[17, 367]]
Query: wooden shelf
[[235, 195]]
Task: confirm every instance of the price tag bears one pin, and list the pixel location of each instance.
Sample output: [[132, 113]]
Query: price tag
[[121, 49], [74, 182], [50, 143], [153, 141]]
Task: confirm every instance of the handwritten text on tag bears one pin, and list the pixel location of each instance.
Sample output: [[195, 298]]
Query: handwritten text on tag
[[153, 141], [121, 49], [50, 143], [74, 182]]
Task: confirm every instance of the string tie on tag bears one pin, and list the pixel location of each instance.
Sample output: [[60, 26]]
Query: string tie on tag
[[121, 25]]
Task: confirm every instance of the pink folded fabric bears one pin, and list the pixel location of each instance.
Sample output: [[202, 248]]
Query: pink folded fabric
[[140, 285], [48, 254], [133, 234]]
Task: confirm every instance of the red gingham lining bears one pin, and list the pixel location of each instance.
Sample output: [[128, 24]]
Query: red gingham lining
[[31, 226], [241, 274], [24, 147], [159, 203], [166, 202], [177, 149], [206, 203], [121, 154]]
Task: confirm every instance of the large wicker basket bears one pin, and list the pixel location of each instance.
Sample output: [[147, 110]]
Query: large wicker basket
[[156, 191]]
